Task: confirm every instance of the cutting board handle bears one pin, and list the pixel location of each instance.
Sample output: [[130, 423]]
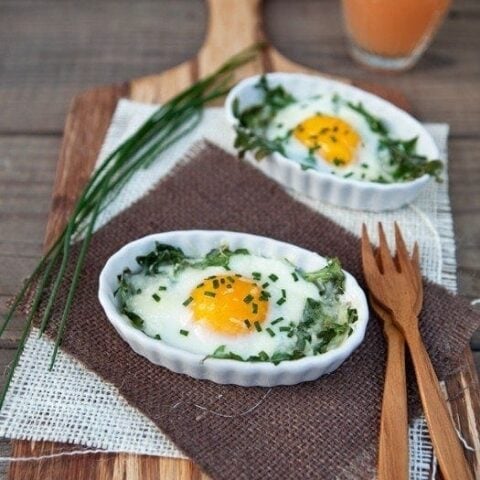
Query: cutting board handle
[[232, 26]]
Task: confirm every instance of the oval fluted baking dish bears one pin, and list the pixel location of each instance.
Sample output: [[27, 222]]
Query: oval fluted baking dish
[[343, 192], [200, 242]]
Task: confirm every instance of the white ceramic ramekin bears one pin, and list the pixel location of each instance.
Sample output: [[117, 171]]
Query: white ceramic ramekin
[[200, 242], [344, 192]]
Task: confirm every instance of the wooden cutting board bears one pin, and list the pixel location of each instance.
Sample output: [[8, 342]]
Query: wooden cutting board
[[233, 25]]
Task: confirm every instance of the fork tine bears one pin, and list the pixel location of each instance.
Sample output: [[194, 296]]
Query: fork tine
[[402, 252], [416, 254], [416, 268], [370, 266], [385, 255]]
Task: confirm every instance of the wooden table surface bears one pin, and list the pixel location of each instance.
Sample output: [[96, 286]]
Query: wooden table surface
[[51, 50]]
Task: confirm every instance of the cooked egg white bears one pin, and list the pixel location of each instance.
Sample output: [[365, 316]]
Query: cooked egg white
[[323, 133], [198, 310]]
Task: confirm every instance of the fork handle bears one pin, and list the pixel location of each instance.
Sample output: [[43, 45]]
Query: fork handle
[[446, 444], [393, 442]]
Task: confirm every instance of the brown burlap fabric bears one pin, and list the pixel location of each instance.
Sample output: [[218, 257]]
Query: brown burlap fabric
[[318, 430]]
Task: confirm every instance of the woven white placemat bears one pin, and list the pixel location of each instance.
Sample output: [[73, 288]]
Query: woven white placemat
[[73, 405]]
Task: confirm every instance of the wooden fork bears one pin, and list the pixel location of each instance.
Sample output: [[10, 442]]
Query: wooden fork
[[393, 439], [397, 289]]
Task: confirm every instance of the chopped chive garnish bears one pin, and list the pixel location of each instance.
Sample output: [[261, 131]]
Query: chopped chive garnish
[[188, 301], [162, 288], [270, 332], [247, 323], [284, 293], [290, 334], [254, 308], [211, 277], [284, 329], [264, 296], [258, 328], [256, 275], [156, 297], [222, 281], [216, 283], [238, 275], [273, 277], [248, 298], [231, 279], [209, 294], [157, 337], [277, 320], [281, 301], [228, 285], [200, 285], [265, 285], [139, 291], [295, 276], [184, 333]]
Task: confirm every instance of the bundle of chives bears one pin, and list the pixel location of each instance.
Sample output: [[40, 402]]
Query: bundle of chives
[[167, 124]]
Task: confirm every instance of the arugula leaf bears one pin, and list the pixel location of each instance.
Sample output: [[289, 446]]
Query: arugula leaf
[[219, 257], [352, 315], [247, 140], [260, 357], [327, 330], [403, 160], [406, 164], [278, 357], [328, 335], [254, 120], [221, 353], [277, 97], [375, 124], [162, 256], [124, 290], [331, 273]]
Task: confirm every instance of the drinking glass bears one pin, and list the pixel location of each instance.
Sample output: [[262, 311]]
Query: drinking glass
[[391, 34]]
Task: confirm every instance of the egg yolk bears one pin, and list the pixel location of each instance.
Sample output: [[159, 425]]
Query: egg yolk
[[331, 137], [229, 304]]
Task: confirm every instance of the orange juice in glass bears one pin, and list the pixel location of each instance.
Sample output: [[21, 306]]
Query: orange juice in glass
[[391, 34]]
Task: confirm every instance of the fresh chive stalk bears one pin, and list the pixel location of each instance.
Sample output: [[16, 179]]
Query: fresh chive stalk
[[168, 123]]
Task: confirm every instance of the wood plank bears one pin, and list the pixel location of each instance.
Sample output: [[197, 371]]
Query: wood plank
[[50, 51], [5, 451], [476, 360], [93, 108], [464, 409], [101, 466], [465, 199], [44, 67]]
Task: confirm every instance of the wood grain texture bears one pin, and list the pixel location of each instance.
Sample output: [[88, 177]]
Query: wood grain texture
[[93, 466], [393, 438], [93, 44], [94, 109], [42, 67]]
